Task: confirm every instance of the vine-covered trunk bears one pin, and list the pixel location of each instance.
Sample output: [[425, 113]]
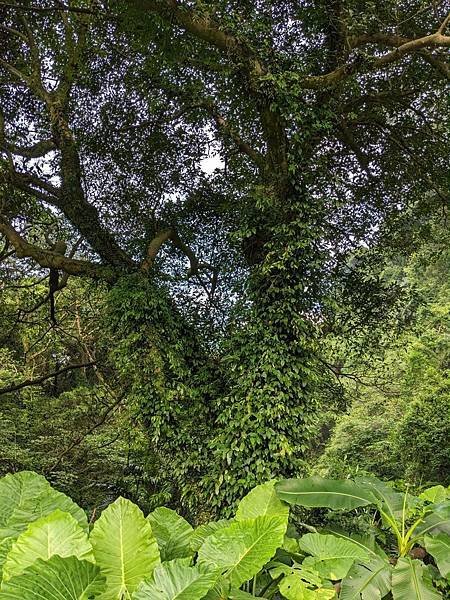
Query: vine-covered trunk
[[225, 422]]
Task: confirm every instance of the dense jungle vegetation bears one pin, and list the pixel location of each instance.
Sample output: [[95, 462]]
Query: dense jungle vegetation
[[224, 283]]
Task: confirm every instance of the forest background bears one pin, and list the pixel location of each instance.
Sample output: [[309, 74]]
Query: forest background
[[253, 200]]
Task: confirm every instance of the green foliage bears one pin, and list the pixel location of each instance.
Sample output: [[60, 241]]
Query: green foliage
[[74, 428], [398, 424], [210, 378], [128, 556], [249, 428]]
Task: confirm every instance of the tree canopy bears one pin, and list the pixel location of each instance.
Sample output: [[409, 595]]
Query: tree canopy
[[232, 176]]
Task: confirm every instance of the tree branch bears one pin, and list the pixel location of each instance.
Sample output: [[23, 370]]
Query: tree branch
[[35, 151], [403, 47], [242, 146], [161, 238], [194, 23], [51, 260], [39, 380], [154, 247], [59, 8]]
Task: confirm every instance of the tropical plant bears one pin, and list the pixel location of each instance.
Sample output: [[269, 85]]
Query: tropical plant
[[365, 570], [48, 549]]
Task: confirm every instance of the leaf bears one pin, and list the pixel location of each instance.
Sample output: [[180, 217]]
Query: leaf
[[390, 501], [55, 579], [172, 532], [369, 581], [439, 548], [262, 501], [329, 493], [5, 547], [57, 533], [366, 542], [221, 591], [242, 549], [332, 557], [26, 497], [437, 493], [236, 594], [409, 583], [305, 574], [437, 521], [203, 531], [293, 588], [176, 581], [124, 548]]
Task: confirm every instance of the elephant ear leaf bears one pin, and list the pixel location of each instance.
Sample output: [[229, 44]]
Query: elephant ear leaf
[[435, 494], [55, 579], [172, 532], [176, 581], [410, 581], [262, 501], [328, 493], [58, 533], [368, 581], [439, 548], [26, 497], [331, 556], [240, 550], [124, 548], [203, 531], [293, 587]]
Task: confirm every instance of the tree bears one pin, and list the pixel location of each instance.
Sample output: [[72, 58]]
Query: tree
[[327, 117], [399, 419]]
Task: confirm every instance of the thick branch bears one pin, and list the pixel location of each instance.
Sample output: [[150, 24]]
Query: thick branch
[[25, 181], [403, 47], [160, 239], [52, 260], [194, 23], [59, 8], [204, 28], [154, 247], [35, 151]]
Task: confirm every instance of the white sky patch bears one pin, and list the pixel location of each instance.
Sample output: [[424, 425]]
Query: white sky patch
[[211, 163]]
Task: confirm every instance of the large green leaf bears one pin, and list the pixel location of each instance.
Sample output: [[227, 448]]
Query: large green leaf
[[294, 588], [306, 575], [331, 557], [366, 542], [437, 493], [437, 521], [124, 548], [369, 581], [410, 581], [176, 581], [203, 531], [5, 547], [242, 549], [388, 500], [262, 501], [172, 532], [329, 493], [439, 548], [223, 591], [55, 579], [57, 533], [26, 497]]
